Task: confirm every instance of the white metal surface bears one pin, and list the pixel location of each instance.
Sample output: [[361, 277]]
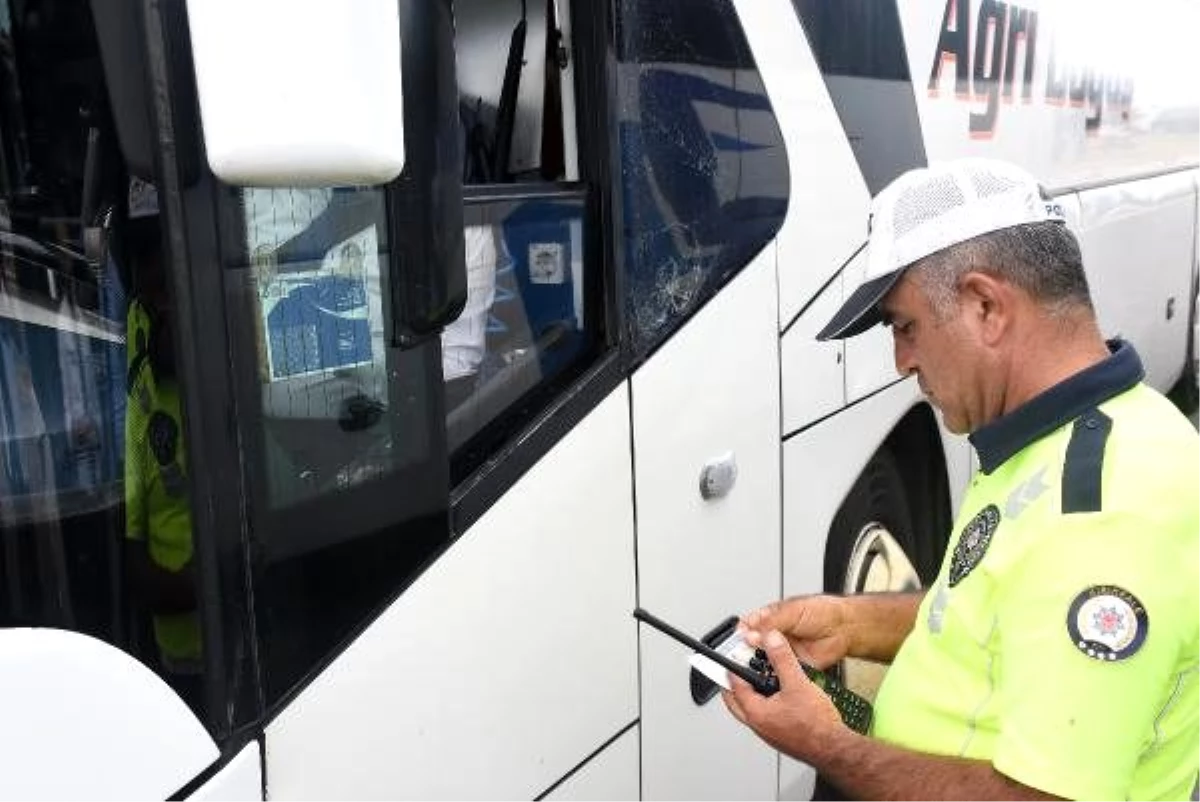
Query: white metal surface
[[819, 466], [812, 374], [240, 780], [299, 97], [507, 662], [713, 388], [827, 208], [1137, 242], [612, 774], [870, 363], [80, 719]]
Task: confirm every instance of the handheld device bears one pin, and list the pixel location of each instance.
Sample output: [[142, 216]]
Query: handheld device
[[757, 671]]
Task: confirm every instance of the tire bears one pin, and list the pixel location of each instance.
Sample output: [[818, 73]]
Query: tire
[[877, 497]]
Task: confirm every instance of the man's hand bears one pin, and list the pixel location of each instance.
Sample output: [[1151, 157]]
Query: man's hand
[[825, 629], [799, 719], [815, 626]]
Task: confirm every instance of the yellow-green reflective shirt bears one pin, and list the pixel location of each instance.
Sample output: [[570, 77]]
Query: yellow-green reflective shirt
[[1059, 641], [157, 507]]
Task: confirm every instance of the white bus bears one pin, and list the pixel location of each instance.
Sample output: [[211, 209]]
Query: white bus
[[364, 364]]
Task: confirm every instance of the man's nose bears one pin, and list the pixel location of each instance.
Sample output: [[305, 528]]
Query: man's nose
[[902, 353]]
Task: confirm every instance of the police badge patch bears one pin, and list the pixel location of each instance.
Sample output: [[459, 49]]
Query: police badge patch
[[1107, 623], [973, 543], [163, 433]]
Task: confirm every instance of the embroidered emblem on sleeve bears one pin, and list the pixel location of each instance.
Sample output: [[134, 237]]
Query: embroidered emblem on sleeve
[[973, 543], [1107, 623]]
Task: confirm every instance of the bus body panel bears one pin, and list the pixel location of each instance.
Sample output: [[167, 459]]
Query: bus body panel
[[870, 363], [819, 466], [611, 774], [827, 206], [813, 374], [1126, 230], [239, 780], [710, 393], [514, 652]]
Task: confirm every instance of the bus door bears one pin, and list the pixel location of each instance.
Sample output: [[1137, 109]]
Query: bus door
[[202, 383], [105, 684]]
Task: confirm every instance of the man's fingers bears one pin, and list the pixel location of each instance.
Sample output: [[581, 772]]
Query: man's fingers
[[783, 659], [753, 620], [741, 698], [733, 705]]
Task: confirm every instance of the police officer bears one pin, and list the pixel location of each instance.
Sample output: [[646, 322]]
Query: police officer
[[158, 517], [1055, 655]]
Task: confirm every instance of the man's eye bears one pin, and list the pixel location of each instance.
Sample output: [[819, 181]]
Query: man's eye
[[904, 328]]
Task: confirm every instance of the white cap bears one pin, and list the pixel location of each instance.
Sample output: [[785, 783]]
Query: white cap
[[927, 210]]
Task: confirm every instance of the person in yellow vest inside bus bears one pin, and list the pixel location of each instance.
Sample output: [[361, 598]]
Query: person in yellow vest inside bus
[[158, 524], [1055, 655]]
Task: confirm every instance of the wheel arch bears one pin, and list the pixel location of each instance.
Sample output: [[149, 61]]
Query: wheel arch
[[918, 454], [916, 443]]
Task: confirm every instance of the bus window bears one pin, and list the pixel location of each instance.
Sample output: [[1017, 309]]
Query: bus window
[[532, 318], [346, 496], [704, 167], [95, 514], [315, 255]]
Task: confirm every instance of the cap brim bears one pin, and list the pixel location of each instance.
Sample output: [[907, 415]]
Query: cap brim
[[861, 310]]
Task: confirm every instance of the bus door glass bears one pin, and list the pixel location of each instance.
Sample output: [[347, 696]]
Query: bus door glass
[[96, 529], [347, 475]]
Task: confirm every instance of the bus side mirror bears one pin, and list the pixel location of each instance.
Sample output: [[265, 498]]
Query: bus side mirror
[[299, 94], [425, 204], [329, 94]]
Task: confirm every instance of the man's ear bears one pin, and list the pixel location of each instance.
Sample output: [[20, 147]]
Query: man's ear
[[989, 304]]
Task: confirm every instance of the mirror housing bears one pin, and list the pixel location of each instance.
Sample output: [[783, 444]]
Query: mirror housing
[[425, 204], [296, 94], [299, 93], [137, 740]]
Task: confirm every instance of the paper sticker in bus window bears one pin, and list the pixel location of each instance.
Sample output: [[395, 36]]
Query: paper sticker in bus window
[[321, 320], [546, 264]]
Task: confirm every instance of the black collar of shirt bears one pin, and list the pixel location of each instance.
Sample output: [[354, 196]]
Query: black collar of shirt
[[1065, 401]]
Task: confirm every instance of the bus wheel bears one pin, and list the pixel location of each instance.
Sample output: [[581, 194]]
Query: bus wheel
[[871, 548]]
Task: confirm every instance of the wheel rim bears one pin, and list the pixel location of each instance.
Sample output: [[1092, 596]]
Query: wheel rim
[[877, 564]]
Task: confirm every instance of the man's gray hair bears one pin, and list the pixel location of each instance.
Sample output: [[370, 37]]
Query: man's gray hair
[[1043, 259]]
